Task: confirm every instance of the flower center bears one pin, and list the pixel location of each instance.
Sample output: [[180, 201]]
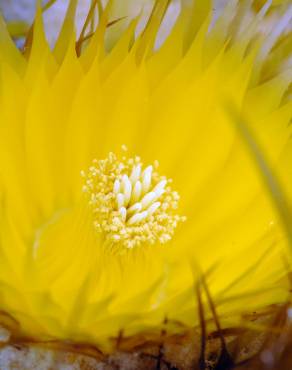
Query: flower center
[[132, 204]]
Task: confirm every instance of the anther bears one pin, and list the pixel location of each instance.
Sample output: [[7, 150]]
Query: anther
[[131, 206]]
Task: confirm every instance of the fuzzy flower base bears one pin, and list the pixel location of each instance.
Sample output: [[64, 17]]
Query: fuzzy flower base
[[220, 350]]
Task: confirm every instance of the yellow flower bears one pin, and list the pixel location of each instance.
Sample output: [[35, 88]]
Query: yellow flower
[[127, 175]]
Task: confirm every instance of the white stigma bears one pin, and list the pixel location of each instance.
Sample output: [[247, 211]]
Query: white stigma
[[132, 196], [132, 205]]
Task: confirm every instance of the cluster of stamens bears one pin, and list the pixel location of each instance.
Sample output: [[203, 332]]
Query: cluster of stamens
[[132, 205]]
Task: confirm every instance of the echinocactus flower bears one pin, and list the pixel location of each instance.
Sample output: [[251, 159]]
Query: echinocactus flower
[[136, 180]]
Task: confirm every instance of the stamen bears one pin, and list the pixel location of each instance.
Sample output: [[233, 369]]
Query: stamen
[[131, 206]]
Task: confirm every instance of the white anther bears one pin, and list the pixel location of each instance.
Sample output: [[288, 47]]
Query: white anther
[[120, 200], [135, 175], [123, 213], [153, 208], [136, 193], [117, 186], [135, 208], [146, 178], [127, 187], [138, 217], [148, 199], [160, 185]]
